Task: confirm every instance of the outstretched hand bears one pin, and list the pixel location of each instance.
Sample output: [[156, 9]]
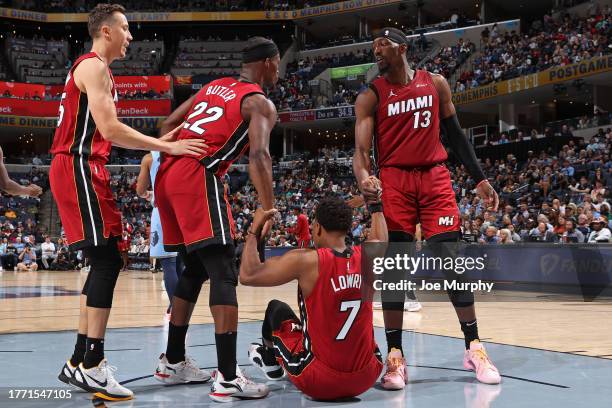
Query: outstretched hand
[[488, 194], [261, 218], [33, 190]]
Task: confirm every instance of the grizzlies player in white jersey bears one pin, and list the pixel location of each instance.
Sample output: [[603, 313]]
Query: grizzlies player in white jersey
[[169, 261]]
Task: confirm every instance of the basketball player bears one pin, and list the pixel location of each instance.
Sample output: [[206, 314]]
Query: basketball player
[[404, 110], [231, 115], [301, 229], [171, 266], [330, 352], [13, 188], [87, 128]]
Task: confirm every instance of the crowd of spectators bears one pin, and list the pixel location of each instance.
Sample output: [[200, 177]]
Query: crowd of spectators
[[448, 59], [295, 91], [20, 235], [550, 197], [84, 6], [547, 43], [143, 94]]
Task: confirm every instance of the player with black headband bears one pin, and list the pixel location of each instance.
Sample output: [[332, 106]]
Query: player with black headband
[[233, 116], [402, 113]]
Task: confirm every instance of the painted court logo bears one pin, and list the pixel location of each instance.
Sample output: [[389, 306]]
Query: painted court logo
[[447, 220]]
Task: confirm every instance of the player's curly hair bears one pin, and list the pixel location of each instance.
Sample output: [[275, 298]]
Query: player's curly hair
[[334, 214], [101, 14]]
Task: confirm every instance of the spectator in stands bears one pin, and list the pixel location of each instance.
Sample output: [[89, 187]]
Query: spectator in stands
[[48, 252], [571, 234], [599, 231], [27, 260], [505, 236], [542, 234], [490, 236]]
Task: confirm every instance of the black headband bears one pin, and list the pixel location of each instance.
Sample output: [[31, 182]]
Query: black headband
[[259, 52], [393, 34]]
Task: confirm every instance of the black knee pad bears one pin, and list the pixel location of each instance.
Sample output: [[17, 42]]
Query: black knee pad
[[105, 263], [276, 313], [223, 292], [394, 300], [400, 236], [190, 283], [86, 285], [393, 305], [459, 298], [451, 236], [221, 268]]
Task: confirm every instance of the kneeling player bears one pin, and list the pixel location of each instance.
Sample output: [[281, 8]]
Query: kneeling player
[[330, 352]]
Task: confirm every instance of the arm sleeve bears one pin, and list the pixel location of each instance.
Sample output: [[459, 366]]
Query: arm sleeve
[[461, 146]]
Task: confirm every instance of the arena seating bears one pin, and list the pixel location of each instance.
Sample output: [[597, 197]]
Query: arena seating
[[561, 41], [38, 60], [210, 58]]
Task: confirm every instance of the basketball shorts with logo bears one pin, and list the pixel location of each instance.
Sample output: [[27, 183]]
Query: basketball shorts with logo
[[419, 195], [312, 376], [87, 208], [192, 206]]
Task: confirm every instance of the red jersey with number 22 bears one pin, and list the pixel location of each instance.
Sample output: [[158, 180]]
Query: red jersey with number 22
[[407, 130], [216, 117]]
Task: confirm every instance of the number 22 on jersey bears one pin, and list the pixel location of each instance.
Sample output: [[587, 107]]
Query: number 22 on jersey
[[205, 115]]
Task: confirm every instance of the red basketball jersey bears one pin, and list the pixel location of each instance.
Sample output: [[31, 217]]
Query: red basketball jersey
[[215, 117], [77, 133], [337, 323], [407, 131]]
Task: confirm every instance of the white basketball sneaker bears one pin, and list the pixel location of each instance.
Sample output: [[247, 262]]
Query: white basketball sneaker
[[273, 372], [183, 372], [237, 389], [67, 372], [101, 381], [412, 306]]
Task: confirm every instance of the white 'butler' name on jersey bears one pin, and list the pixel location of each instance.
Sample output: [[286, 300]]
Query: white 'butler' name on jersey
[[409, 105], [349, 281]]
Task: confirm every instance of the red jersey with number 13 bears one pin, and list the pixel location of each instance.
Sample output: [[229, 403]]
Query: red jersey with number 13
[[216, 117], [407, 129], [337, 322]]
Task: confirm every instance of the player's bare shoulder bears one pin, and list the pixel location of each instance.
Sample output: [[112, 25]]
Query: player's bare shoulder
[[366, 102], [90, 69], [440, 83], [258, 104]]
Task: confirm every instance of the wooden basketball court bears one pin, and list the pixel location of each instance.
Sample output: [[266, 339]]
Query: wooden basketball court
[[37, 302]]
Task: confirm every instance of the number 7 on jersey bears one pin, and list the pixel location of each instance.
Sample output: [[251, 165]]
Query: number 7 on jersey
[[354, 305]]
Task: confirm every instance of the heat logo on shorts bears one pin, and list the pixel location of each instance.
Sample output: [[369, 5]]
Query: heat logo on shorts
[[447, 220]]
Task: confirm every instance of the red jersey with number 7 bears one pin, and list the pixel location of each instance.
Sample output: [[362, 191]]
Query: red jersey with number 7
[[336, 321], [216, 117], [407, 129]]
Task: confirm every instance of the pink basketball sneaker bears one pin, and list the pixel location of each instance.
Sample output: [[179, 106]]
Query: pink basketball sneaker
[[396, 376], [477, 360]]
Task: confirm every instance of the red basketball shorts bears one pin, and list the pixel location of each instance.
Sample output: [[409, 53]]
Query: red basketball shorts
[[313, 377], [86, 205], [192, 204], [419, 195]]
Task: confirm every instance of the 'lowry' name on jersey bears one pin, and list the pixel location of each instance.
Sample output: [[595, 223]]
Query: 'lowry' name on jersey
[[348, 281], [409, 105]]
